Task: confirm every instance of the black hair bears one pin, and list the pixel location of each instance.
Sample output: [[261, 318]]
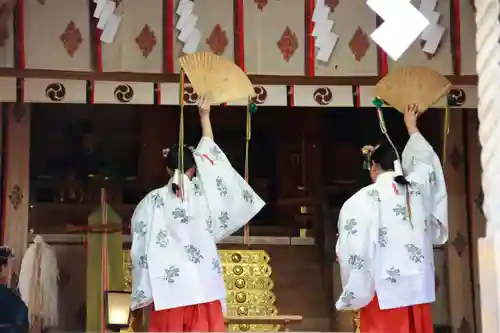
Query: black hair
[[385, 156], [5, 254], [172, 159], [172, 162]]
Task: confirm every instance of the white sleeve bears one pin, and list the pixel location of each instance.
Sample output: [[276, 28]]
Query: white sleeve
[[419, 154], [232, 202], [141, 220], [355, 249], [418, 150]]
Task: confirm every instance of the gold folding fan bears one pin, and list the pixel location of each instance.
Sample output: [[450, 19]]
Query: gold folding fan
[[216, 78], [412, 85]]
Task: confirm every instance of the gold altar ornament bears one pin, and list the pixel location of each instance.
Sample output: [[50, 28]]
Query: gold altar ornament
[[357, 321]]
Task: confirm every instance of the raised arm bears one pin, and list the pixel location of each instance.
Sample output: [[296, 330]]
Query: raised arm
[[417, 150], [231, 201], [420, 158], [206, 125]]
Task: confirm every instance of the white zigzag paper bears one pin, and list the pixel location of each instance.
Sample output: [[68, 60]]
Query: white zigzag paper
[[189, 35], [403, 24], [434, 32], [324, 39], [108, 20]]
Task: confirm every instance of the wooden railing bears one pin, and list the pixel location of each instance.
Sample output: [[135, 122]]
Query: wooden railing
[[283, 320]]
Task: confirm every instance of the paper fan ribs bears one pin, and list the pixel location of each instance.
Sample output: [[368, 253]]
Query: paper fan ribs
[[412, 85], [216, 78]]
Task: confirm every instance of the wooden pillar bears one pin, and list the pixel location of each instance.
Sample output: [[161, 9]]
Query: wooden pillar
[[3, 107], [16, 184], [460, 300], [102, 278]]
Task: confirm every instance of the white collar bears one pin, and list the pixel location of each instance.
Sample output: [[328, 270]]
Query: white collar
[[386, 177]]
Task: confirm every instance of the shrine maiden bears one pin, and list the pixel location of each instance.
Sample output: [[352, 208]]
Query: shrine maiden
[[385, 245], [175, 264]]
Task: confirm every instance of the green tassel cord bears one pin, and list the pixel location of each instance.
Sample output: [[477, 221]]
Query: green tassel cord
[[378, 103], [252, 107], [251, 110], [446, 130]]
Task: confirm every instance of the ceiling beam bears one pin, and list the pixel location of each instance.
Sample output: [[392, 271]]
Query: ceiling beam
[[467, 80]]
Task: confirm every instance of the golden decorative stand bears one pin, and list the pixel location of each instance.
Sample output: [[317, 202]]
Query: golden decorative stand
[[249, 288], [283, 321], [247, 275]]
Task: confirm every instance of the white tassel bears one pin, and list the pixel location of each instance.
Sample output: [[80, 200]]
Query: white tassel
[[398, 168], [176, 178], [40, 257]]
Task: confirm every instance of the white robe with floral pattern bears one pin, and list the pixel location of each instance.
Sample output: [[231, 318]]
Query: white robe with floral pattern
[[380, 251], [174, 255]]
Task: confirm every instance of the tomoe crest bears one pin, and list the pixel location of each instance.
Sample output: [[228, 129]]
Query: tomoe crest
[[55, 92], [124, 93], [457, 97]]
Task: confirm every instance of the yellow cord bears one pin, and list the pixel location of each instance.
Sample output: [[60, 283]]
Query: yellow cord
[[446, 131], [383, 129], [248, 136], [181, 135]]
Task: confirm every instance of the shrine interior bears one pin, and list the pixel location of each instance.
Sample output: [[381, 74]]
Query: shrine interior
[[299, 157], [89, 101], [304, 162]]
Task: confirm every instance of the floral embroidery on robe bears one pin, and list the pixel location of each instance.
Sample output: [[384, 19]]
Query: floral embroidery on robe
[[178, 236], [385, 255]]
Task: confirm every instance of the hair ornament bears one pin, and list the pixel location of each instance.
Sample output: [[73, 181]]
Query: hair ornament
[[368, 151], [165, 151]]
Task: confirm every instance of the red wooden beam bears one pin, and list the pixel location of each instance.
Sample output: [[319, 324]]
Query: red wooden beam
[[168, 36], [456, 56], [310, 56], [239, 34]]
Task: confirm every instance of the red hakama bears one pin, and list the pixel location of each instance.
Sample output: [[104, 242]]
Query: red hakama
[[205, 317], [408, 319]]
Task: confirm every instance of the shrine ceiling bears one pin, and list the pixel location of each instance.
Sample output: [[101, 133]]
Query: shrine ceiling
[[56, 43]]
